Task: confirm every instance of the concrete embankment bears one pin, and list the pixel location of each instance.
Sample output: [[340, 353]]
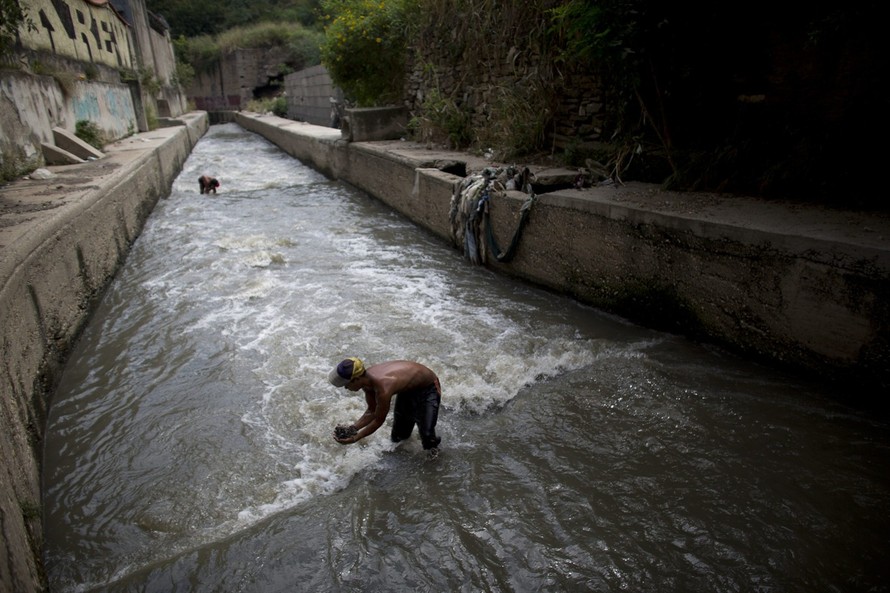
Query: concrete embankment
[[61, 241], [807, 288]]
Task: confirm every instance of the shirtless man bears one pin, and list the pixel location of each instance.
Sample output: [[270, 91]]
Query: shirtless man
[[208, 184], [417, 392]]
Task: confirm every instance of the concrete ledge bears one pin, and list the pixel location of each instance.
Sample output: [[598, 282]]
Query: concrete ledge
[[61, 242], [169, 122], [802, 287], [375, 123]]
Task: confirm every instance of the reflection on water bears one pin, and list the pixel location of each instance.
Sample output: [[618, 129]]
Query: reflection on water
[[189, 446]]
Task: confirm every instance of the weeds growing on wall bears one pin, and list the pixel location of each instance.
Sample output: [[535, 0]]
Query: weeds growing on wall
[[489, 54], [614, 38], [90, 133], [66, 79], [275, 105], [441, 120], [200, 53], [146, 77], [184, 74], [203, 53], [519, 120]]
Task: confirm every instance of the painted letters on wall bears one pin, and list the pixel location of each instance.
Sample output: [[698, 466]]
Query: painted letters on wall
[[89, 31]]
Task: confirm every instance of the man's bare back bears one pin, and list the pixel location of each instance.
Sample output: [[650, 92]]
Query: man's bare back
[[400, 375]]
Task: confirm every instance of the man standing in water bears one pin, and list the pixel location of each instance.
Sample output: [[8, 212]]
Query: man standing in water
[[208, 184], [417, 392]]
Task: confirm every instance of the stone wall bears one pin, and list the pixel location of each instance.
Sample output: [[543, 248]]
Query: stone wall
[[491, 93], [494, 67], [235, 79], [310, 93]]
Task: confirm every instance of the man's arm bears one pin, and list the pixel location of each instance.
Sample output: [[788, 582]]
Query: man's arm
[[372, 419], [376, 420], [368, 416]]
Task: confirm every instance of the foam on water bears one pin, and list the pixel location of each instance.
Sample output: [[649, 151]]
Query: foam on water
[[359, 295]]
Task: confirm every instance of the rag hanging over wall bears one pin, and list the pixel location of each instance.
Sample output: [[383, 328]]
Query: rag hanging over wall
[[471, 215]]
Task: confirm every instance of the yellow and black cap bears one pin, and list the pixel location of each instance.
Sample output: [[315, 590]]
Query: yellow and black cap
[[346, 371]]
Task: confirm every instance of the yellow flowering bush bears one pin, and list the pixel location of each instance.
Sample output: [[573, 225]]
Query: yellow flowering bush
[[364, 47]]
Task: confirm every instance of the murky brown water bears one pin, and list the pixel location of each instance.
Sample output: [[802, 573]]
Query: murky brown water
[[189, 444]]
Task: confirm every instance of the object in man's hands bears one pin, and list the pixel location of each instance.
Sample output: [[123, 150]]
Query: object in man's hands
[[343, 431]]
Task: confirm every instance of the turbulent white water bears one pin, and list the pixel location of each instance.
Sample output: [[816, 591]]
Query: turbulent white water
[[194, 420]]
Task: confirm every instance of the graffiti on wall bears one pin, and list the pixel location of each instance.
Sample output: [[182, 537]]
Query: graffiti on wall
[[110, 106], [86, 108], [84, 30]]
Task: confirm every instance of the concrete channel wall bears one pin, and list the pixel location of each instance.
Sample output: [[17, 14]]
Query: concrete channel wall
[[62, 241], [803, 288]]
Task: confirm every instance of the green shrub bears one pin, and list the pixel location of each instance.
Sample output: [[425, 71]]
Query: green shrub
[[275, 105], [259, 35], [279, 106], [364, 48], [202, 53], [149, 81], [185, 74], [89, 132]]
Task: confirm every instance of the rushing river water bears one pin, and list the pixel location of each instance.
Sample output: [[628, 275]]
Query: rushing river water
[[189, 444]]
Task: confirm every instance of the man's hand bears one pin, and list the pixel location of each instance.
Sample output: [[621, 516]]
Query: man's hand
[[345, 434]]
